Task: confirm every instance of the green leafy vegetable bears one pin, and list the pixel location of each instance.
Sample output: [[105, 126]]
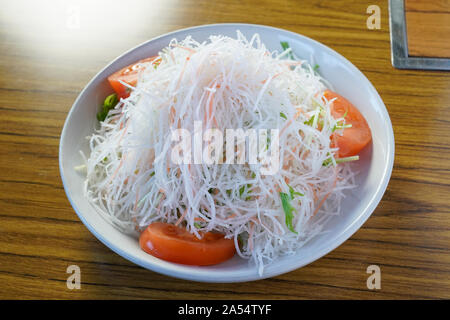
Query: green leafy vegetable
[[316, 118], [288, 210], [283, 115], [197, 225], [242, 189], [287, 207], [285, 46], [327, 162], [109, 103], [310, 121], [242, 239], [294, 193]]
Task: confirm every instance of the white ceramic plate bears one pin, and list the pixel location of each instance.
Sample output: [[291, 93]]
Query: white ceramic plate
[[375, 165]]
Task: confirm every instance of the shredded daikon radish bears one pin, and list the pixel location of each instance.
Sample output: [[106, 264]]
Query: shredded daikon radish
[[230, 83]]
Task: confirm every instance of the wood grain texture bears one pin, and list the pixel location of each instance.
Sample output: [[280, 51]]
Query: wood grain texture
[[428, 28], [44, 64]]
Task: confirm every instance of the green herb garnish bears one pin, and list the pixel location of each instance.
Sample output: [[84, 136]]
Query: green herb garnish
[[197, 225], [109, 103], [283, 115], [293, 193], [310, 121], [288, 210], [242, 239], [242, 189], [285, 46], [340, 126], [329, 161]]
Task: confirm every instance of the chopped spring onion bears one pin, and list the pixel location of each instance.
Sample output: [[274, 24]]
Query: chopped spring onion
[[341, 126], [339, 160], [347, 159], [294, 193]]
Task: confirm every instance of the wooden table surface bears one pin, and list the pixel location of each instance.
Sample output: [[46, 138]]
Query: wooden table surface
[[49, 50]]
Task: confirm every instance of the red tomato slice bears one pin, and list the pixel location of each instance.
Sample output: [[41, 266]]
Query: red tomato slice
[[175, 244], [353, 139], [128, 75]]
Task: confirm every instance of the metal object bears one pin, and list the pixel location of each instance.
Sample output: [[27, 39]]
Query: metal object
[[399, 43]]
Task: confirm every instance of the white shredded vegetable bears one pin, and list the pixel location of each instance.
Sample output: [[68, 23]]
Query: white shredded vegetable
[[230, 83]]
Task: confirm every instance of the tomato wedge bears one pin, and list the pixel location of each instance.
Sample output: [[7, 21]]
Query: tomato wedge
[[175, 244], [353, 139], [128, 75]]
